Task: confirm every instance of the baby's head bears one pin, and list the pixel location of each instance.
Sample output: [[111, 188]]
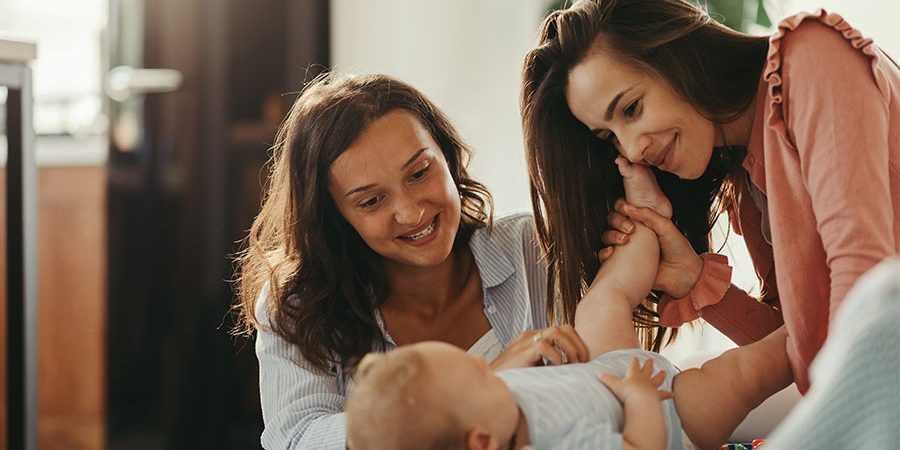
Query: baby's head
[[427, 395]]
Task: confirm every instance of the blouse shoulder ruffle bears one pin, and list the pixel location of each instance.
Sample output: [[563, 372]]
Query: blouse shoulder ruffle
[[772, 72]]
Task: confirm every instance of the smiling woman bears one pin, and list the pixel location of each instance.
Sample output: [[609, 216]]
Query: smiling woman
[[373, 235], [795, 135]]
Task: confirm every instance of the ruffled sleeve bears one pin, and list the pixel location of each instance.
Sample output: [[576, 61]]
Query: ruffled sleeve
[[729, 309], [715, 279]]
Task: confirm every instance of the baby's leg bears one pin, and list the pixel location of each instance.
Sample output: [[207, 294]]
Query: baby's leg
[[641, 188], [713, 400], [603, 316], [603, 320]]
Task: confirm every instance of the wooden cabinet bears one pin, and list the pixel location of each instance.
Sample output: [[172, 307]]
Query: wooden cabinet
[[71, 307]]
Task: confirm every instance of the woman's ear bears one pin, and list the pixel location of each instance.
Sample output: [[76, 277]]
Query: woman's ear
[[478, 439]]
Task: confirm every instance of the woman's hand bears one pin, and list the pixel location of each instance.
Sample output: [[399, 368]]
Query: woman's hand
[[557, 345], [679, 266]]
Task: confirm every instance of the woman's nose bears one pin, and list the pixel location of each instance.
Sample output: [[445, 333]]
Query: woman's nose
[[633, 146], [408, 211]]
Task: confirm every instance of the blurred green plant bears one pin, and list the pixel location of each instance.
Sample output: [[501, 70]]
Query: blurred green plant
[[735, 14]]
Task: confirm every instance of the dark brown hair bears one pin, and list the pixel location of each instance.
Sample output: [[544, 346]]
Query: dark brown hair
[[574, 181], [323, 281]]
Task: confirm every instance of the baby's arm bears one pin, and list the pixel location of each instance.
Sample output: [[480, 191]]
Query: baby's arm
[[645, 425]]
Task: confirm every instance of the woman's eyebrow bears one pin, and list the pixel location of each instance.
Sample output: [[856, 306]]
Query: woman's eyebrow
[[414, 157], [611, 109], [359, 189], [411, 160], [612, 105]]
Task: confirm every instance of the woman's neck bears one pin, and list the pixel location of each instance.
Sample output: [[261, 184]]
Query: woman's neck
[[428, 291]]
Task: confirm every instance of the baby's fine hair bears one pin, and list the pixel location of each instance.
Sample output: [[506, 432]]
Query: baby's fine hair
[[391, 406]]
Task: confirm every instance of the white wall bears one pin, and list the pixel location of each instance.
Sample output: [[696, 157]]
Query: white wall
[[466, 56]]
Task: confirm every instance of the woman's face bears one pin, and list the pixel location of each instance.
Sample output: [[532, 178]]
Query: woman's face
[[392, 184], [640, 114]]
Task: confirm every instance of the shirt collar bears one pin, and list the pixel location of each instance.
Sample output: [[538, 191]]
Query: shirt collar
[[493, 264], [494, 267]]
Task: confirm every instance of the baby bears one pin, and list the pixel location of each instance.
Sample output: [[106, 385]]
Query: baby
[[434, 395]]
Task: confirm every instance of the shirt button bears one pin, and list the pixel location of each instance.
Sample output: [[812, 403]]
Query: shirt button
[[491, 309], [751, 160]]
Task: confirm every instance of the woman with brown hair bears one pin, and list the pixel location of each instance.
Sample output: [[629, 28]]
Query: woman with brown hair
[[796, 136], [373, 235]]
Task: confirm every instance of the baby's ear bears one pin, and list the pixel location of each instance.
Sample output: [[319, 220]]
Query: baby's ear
[[478, 439]]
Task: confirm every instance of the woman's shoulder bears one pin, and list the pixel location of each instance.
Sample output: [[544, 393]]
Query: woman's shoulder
[[820, 31], [515, 220], [810, 44], [510, 234], [511, 226]]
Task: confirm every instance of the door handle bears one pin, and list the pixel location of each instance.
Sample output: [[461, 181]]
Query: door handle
[[124, 81]]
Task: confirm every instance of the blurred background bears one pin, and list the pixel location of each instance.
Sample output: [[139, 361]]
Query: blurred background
[[153, 121]]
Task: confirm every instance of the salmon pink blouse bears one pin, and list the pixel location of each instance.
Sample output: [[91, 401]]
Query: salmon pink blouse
[[823, 162]]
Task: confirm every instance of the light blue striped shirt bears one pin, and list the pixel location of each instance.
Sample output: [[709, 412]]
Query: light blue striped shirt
[[303, 408], [568, 408]]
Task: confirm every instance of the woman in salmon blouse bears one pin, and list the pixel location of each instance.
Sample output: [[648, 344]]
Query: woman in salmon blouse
[[796, 136]]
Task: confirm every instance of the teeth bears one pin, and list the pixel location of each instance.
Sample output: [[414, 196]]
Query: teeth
[[422, 233]]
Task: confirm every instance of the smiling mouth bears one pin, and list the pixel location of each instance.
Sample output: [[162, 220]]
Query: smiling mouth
[[661, 158], [423, 233]]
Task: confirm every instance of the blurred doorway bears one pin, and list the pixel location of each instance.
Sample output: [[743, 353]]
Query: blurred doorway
[[196, 91]]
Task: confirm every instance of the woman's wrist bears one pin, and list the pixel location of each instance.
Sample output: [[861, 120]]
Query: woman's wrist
[[686, 280], [695, 272]]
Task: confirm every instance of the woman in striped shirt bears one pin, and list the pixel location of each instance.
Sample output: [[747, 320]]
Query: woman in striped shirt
[[373, 235]]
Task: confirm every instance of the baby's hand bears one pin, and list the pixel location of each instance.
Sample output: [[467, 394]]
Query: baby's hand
[[639, 382], [641, 188]]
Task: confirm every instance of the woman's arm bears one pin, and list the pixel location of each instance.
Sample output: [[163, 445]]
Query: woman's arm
[[302, 408], [840, 119], [695, 286]]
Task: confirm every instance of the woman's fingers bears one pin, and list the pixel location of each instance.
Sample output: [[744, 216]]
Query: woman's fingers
[[605, 253], [660, 224], [613, 237], [549, 352], [566, 341], [619, 222], [574, 345]]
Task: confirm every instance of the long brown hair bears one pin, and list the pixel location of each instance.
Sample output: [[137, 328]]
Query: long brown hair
[[324, 283], [574, 181]]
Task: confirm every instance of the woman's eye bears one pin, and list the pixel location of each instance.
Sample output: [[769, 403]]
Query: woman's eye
[[418, 175], [632, 108], [370, 203]]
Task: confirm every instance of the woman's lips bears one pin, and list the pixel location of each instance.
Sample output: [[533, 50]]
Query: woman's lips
[[665, 158]]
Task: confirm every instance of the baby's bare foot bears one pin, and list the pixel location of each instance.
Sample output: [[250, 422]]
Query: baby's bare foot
[[641, 188]]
